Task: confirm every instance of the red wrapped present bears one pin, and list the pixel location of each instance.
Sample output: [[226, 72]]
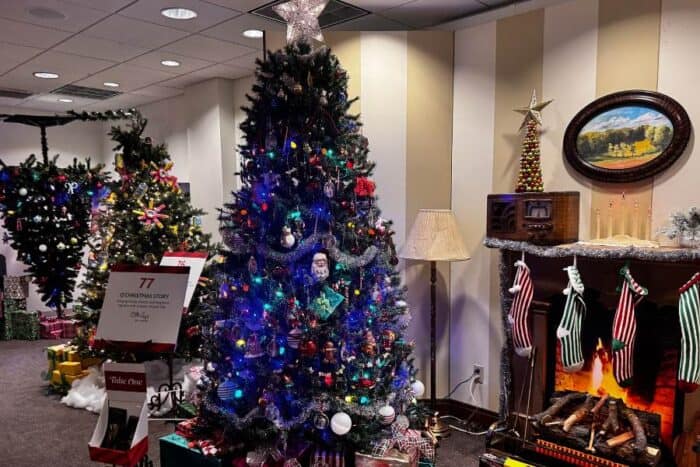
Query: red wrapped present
[[69, 328], [50, 328]]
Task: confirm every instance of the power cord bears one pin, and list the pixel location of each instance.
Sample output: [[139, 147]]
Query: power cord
[[466, 421]]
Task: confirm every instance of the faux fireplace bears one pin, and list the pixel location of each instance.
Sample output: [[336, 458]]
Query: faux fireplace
[[648, 412]]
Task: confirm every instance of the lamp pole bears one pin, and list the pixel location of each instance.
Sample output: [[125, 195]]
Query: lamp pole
[[433, 335]]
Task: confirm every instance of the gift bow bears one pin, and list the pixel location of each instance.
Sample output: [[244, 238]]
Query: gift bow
[[405, 440]]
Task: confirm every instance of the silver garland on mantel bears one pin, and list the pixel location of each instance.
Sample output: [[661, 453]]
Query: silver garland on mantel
[[327, 240], [675, 255], [598, 252]]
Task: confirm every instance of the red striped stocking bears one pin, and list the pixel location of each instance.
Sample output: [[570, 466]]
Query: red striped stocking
[[625, 328], [520, 309]]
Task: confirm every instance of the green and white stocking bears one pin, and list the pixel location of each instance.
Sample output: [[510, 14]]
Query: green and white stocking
[[569, 330], [688, 311]]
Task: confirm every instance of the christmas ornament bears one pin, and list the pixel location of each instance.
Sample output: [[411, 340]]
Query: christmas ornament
[[329, 352], [625, 328], [308, 348], [418, 388], [253, 349], [294, 337], [387, 414], [298, 89], [151, 215], [252, 265], [341, 423], [321, 421], [364, 187], [22, 191], [329, 189], [326, 303], [226, 390], [369, 345], [287, 240], [43, 248], [530, 172], [61, 246], [569, 330], [319, 267], [302, 19], [520, 309]]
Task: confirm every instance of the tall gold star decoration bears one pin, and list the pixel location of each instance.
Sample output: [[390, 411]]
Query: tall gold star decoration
[[302, 19], [533, 111]]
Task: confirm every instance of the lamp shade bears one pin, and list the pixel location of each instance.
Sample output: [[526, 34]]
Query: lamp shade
[[435, 237]]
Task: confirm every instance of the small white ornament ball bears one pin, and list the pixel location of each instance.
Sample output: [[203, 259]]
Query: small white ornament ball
[[341, 423], [418, 388], [386, 415], [43, 248], [61, 246], [23, 192]]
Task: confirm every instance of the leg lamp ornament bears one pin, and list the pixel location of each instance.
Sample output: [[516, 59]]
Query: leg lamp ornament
[[434, 237]]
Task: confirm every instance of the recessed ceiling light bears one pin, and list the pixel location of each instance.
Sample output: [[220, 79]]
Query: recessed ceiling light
[[178, 13], [63, 99], [111, 84], [253, 33], [45, 75], [170, 63]]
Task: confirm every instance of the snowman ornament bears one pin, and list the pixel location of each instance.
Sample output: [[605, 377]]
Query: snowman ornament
[[287, 240]]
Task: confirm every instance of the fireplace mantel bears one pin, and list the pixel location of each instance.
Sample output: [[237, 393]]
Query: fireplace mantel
[[662, 254]]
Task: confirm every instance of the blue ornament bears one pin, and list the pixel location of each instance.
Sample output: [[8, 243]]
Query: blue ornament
[[226, 390]]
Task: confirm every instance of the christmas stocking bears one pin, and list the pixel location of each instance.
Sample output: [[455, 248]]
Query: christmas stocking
[[625, 328], [569, 330], [688, 311], [520, 309]]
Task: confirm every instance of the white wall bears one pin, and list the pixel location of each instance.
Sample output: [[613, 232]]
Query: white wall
[[17, 142]]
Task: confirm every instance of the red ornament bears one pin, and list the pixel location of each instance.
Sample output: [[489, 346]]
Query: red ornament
[[367, 383], [328, 379], [264, 207], [350, 164], [308, 348], [61, 178], [364, 187]]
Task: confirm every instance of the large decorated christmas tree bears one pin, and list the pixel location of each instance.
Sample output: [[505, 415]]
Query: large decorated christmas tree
[[307, 338], [46, 212], [145, 214]]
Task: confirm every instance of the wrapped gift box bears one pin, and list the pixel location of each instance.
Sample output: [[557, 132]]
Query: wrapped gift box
[[53, 328], [62, 380], [175, 452], [16, 287], [393, 458], [70, 368], [10, 304], [55, 355], [22, 324]]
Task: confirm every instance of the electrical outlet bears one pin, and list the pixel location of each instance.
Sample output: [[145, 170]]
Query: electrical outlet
[[478, 371]]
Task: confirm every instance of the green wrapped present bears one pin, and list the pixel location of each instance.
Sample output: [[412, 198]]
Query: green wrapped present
[[16, 287], [15, 304], [22, 325], [175, 452]]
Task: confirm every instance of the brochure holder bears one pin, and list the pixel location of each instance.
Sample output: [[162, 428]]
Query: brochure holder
[[121, 434]]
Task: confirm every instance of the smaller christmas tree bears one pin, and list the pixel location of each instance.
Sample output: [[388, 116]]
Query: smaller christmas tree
[[530, 173], [46, 210]]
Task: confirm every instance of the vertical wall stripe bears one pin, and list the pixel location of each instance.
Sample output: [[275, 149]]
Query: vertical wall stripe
[[472, 167], [428, 165], [626, 63], [519, 42], [568, 77], [346, 46]]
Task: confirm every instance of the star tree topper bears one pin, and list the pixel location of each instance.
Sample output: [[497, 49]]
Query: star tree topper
[[532, 112], [302, 19]]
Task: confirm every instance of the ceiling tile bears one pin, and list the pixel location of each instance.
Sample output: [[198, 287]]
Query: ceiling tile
[[377, 5], [216, 71], [232, 30], [134, 32], [12, 55], [51, 102], [123, 101], [75, 17], [423, 13], [14, 32], [158, 91], [69, 67], [207, 48], [493, 3], [208, 14], [87, 46], [373, 22], [246, 61], [152, 61], [240, 5], [129, 77], [103, 5]]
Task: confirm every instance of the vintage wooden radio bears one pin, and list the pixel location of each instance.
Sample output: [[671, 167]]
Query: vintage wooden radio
[[547, 218]]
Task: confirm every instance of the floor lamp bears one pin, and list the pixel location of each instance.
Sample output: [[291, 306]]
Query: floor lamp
[[434, 237]]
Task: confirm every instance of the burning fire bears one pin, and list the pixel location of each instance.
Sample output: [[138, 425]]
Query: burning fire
[[602, 380]]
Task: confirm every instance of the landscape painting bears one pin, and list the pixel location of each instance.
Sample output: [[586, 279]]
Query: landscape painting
[[624, 137]]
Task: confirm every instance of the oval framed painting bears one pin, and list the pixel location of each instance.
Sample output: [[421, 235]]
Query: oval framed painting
[[627, 136]]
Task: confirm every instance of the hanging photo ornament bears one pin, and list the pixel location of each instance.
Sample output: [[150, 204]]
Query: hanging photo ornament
[[329, 189], [319, 267], [252, 265], [321, 421], [287, 240]]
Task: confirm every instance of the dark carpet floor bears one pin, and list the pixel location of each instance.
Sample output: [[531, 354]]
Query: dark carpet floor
[[37, 431]]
